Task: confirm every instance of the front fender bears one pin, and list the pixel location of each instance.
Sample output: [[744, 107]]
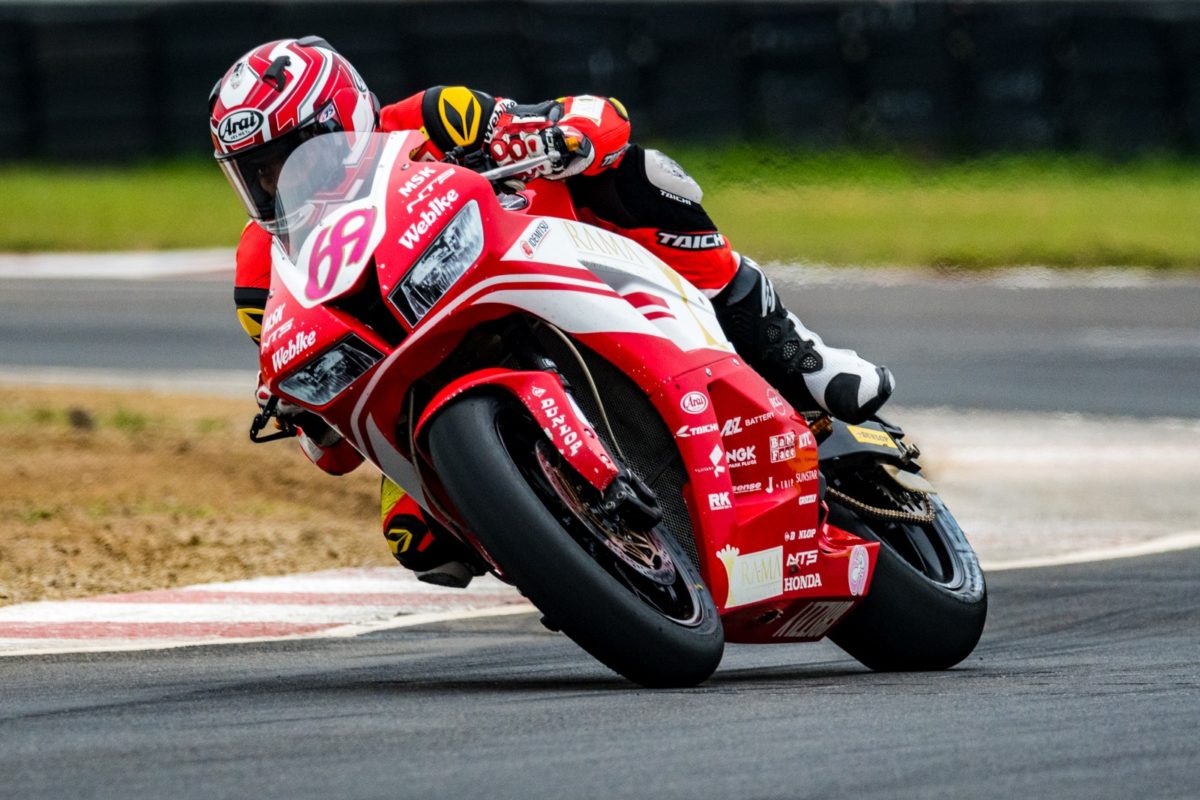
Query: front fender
[[543, 394]]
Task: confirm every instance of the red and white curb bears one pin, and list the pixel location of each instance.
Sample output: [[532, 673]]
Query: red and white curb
[[345, 602]]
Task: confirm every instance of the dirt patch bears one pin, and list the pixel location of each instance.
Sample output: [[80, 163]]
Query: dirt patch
[[111, 491]]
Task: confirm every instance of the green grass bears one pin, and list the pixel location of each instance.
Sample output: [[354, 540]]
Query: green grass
[[840, 208], [850, 209], [151, 207]]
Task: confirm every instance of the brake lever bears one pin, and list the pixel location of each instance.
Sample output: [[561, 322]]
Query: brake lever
[[286, 429]]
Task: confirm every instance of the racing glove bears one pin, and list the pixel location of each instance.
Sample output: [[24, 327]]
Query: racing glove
[[520, 138]]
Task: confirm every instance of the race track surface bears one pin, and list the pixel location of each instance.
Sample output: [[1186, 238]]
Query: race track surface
[[1113, 347], [1086, 685]]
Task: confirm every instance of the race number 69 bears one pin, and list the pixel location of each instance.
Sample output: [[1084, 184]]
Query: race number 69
[[343, 243]]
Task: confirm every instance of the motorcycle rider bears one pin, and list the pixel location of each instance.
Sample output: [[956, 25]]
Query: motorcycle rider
[[283, 92]]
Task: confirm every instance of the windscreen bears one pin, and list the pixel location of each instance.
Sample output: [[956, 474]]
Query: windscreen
[[324, 175]]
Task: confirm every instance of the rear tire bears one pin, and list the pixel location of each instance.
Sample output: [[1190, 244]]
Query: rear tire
[[486, 452], [911, 619]]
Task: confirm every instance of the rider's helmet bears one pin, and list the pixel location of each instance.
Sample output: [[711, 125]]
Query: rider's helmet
[[275, 97]]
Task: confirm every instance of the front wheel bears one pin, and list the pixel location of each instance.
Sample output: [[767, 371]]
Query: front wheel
[[630, 598], [927, 602]]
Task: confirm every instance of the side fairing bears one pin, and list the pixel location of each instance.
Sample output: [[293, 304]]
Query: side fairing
[[648, 287]]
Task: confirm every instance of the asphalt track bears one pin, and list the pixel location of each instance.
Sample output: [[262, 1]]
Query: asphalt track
[[1115, 347], [1086, 685]]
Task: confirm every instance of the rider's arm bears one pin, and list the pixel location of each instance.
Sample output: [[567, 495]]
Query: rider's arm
[[252, 281], [605, 123], [455, 116], [449, 116]]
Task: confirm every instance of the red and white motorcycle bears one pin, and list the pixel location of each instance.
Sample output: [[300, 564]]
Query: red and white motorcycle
[[566, 404]]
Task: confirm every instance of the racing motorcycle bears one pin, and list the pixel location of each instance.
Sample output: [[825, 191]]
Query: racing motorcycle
[[567, 405]]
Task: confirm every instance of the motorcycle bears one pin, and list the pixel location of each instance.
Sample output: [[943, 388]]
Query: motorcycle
[[567, 405]]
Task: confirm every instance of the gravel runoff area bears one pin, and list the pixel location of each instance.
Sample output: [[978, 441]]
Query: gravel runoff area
[[126, 491]]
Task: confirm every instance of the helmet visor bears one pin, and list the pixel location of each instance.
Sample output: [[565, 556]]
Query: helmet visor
[[254, 173]]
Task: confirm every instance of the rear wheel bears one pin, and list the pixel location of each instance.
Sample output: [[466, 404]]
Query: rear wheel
[[629, 597], [927, 602]]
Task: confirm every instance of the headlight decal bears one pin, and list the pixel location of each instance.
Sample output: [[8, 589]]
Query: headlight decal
[[327, 375]]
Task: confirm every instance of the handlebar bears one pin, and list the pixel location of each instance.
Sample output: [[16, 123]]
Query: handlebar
[[516, 168]]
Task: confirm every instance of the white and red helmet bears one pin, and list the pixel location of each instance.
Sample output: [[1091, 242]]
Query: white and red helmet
[[272, 99]]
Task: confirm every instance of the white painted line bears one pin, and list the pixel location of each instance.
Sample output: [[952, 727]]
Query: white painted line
[[1166, 544], [208, 382], [368, 581], [408, 621], [115, 266]]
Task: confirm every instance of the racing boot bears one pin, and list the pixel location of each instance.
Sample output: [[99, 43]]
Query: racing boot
[[434, 554], [810, 374]]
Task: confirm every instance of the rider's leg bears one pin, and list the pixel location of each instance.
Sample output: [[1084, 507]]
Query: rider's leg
[[433, 554], [791, 357], [650, 199]]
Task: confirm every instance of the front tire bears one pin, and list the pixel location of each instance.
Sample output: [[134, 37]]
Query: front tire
[[519, 499]]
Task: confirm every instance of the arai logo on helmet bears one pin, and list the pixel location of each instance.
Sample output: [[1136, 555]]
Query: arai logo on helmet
[[694, 402], [240, 125]]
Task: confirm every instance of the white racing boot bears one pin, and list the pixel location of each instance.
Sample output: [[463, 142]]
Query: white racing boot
[[809, 373]]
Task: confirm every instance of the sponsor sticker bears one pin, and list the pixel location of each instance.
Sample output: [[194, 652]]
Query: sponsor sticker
[[719, 501], [794, 583], [273, 319], [694, 403], [416, 181], [288, 353], [800, 535], [743, 456], [690, 241], [806, 499], [871, 436], [775, 400], [783, 447], [804, 558], [566, 434], [436, 209], [240, 125], [695, 430], [813, 620], [753, 576], [537, 237], [675, 197], [715, 457], [277, 332], [743, 488], [860, 562], [731, 426]]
